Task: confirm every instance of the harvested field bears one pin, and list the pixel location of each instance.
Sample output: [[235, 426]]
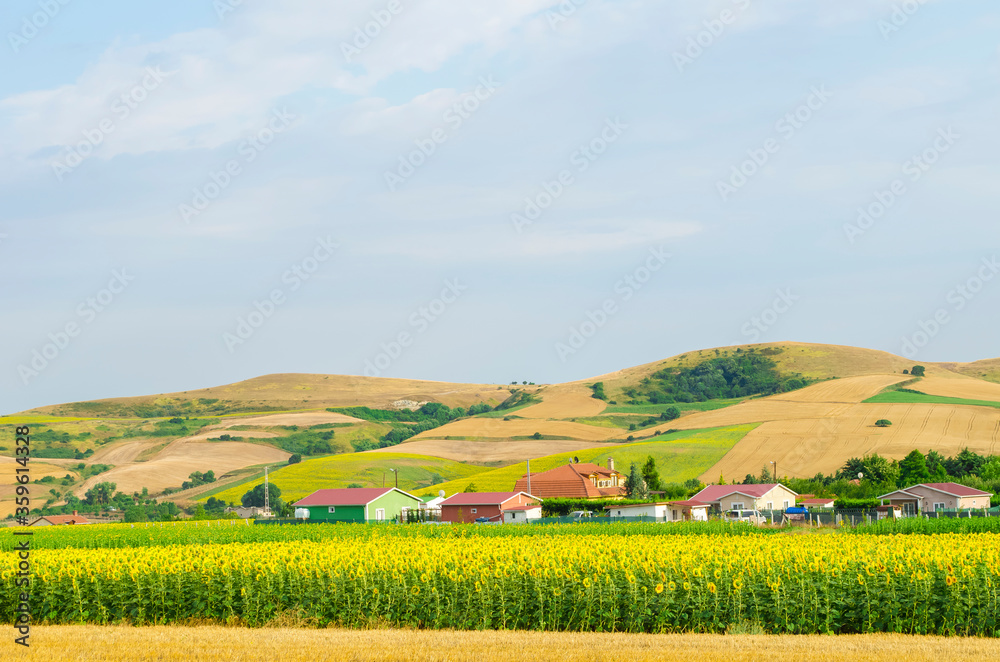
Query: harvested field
[[488, 451], [170, 643], [302, 419], [497, 428], [959, 387], [123, 452], [565, 401], [804, 445], [826, 399], [177, 461], [850, 389]]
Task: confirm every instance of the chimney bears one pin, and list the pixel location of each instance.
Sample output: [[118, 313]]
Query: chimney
[[74, 513], [611, 464]]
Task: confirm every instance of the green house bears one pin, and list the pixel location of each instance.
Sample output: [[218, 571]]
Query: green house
[[361, 504]]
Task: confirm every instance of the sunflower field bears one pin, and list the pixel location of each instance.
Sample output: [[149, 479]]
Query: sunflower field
[[578, 579]]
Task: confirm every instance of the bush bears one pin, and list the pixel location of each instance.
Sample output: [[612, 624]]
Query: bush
[[295, 458], [883, 423]]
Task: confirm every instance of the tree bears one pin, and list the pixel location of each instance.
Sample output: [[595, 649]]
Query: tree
[[883, 423], [670, 413], [990, 470], [635, 487], [913, 469], [965, 463], [650, 475], [917, 371], [136, 514], [255, 497], [354, 485], [295, 458], [471, 487], [875, 468], [537, 435], [100, 494]]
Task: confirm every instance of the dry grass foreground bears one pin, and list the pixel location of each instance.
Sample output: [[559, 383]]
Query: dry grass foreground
[[114, 643]]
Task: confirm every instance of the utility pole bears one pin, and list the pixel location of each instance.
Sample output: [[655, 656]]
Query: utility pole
[[774, 470], [267, 495], [396, 474], [529, 476]]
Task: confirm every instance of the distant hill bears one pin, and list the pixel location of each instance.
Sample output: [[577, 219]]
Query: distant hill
[[803, 430]]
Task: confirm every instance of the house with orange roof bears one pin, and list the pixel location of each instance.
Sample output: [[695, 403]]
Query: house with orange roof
[[577, 480], [60, 520]]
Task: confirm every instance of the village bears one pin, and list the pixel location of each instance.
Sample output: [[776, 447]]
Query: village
[[760, 504]]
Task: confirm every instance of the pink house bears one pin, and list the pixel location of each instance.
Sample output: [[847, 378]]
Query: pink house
[[930, 497]]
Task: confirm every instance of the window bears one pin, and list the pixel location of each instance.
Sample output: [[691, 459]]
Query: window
[[939, 506], [473, 510], [786, 503], [770, 505], [331, 509], [737, 505], [379, 514]]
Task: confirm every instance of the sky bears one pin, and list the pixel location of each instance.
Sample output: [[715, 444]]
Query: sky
[[203, 191]]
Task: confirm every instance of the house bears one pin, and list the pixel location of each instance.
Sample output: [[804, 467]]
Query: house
[[819, 502], [767, 496], [665, 511], [470, 506], [359, 504], [930, 497], [521, 514], [579, 480], [59, 520]]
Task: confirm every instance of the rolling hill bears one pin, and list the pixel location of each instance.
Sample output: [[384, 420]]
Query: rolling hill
[[156, 441]]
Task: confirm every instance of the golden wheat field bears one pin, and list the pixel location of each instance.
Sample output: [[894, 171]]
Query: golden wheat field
[[172, 466], [178, 643], [953, 386], [565, 401], [807, 445]]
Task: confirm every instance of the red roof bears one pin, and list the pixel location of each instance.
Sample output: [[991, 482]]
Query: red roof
[[479, 499], [956, 489], [714, 493], [65, 519], [687, 502], [571, 480], [537, 505], [351, 496], [813, 502]]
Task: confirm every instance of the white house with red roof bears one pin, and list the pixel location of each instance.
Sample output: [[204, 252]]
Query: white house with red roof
[[765, 496], [470, 506], [662, 511], [931, 497]]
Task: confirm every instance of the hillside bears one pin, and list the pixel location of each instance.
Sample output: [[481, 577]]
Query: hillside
[[156, 441], [284, 392]]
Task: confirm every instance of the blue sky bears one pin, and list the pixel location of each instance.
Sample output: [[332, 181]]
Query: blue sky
[[486, 192]]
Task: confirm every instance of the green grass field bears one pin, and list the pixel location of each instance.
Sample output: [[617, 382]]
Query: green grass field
[[334, 471], [912, 397], [679, 456]]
